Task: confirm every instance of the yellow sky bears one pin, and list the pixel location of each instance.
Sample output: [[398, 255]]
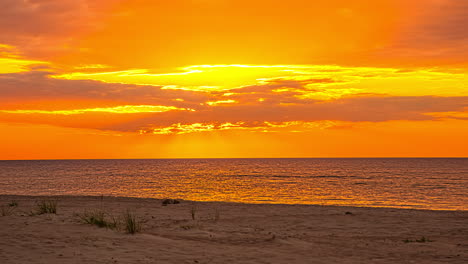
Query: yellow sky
[[205, 78]]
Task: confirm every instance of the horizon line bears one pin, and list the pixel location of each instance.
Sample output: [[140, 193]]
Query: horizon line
[[363, 157]]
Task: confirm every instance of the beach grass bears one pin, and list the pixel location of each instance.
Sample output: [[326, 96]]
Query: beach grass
[[99, 219], [131, 224], [128, 222], [193, 212], [6, 210], [421, 240], [46, 207]]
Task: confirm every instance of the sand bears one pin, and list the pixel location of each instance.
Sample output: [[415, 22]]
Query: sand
[[230, 233]]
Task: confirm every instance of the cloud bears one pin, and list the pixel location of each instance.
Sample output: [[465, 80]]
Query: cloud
[[305, 81], [124, 109], [273, 100], [263, 127], [308, 94], [37, 85], [31, 17], [359, 109], [434, 29], [45, 26], [211, 103], [462, 115], [12, 62]]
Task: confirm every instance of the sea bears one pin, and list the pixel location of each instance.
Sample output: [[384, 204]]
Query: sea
[[416, 183]]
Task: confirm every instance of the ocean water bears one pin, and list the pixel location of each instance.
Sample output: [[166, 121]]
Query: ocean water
[[434, 183]]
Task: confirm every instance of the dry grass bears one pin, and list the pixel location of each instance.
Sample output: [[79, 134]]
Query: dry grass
[[193, 212], [99, 219], [46, 207], [128, 222], [131, 224], [6, 210], [421, 240]]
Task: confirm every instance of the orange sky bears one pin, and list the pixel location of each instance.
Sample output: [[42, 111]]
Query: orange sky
[[233, 78]]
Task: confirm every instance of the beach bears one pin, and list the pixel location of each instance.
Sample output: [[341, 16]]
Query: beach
[[220, 232]]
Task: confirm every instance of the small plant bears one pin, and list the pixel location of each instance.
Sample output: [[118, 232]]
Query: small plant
[[421, 240], [165, 202], [46, 207], [216, 215], [131, 224], [6, 211], [13, 204], [193, 211], [187, 227], [98, 218]]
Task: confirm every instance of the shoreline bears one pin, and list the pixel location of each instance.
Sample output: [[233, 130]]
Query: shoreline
[[227, 202], [219, 232], [395, 157]]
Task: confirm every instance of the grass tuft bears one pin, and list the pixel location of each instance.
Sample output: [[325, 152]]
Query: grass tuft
[[128, 222], [187, 227], [165, 202], [46, 207], [6, 210], [193, 211], [98, 218], [421, 240], [13, 204], [131, 224]]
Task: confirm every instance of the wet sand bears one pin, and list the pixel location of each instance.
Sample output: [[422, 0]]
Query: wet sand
[[228, 233]]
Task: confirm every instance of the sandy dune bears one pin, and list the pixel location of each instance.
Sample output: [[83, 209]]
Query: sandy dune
[[242, 233]]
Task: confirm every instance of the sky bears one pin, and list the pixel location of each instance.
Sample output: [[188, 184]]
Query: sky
[[91, 79]]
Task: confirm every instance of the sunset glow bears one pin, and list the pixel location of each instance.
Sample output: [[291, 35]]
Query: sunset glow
[[212, 79]]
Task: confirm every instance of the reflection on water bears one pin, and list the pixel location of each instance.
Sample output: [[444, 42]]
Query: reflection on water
[[409, 183]]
